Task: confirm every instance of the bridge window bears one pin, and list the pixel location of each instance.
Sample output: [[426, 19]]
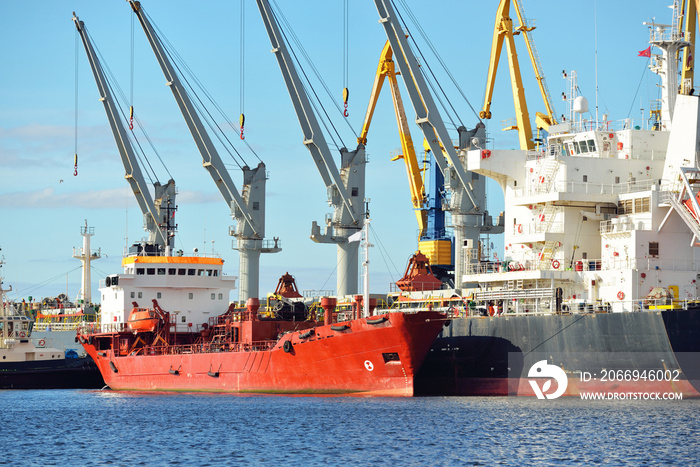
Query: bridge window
[[161, 271], [151, 271], [172, 271], [181, 272], [140, 271], [190, 272], [216, 273]]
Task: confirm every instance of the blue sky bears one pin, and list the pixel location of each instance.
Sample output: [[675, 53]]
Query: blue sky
[[43, 206]]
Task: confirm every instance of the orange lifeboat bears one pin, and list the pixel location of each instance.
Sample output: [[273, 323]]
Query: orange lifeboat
[[142, 320]]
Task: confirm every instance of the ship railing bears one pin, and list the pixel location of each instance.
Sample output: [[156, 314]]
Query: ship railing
[[589, 188], [49, 326], [537, 228], [205, 347], [624, 224]]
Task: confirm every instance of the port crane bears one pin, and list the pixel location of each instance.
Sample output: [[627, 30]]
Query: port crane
[[468, 189], [158, 214], [247, 209], [504, 31], [432, 238], [346, 188]]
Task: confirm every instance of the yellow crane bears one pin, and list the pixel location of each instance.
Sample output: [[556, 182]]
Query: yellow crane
[[504, 30], [386, 70]]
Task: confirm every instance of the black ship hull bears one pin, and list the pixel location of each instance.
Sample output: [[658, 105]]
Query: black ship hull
[[69, 373], [491, 356]]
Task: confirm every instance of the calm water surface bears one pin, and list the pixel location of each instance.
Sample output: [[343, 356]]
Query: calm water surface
[[78, 427]]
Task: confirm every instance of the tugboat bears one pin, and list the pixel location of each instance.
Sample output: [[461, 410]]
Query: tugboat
[[27, 363]]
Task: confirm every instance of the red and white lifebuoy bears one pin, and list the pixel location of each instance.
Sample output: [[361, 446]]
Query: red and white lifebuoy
[[42, 343], [555, 264], [621, 295], [22, 334]]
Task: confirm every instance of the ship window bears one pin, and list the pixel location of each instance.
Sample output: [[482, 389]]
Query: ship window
[[221, 296], [617, 179], [158, 295], [133, 294], [181, 272], [355, 191], [140, 294], [653, 248], [191, 295], [190, 272], [577, 147], [161, 271], [515, 183], [184, 318], [151, 271], [208, 272], [216, 273], [625, 207], [140, 271], [200, 272], [172, 271], [591, 145], [584, 255], [585, 178], [213, 296], [256, 205], [641, 205]]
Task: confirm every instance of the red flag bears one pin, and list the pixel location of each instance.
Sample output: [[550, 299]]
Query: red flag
[[645, 53]]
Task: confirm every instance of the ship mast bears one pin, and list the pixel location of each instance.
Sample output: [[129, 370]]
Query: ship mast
[[85, 255]]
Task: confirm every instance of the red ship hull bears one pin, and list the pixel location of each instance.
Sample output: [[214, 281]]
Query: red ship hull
[[373, 356]]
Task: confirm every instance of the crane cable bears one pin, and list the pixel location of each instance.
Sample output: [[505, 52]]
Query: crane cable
[[287, 27], [242, 68], [131, 96], [77, 49], [346, 41], [437, 55], [183, 69]]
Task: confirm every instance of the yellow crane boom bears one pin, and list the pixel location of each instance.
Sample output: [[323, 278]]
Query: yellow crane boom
[[385, 70]]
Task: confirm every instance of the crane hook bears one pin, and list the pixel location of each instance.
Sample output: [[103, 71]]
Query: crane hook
[[131, 117], [75, 167], [346, 95], [242, 121]]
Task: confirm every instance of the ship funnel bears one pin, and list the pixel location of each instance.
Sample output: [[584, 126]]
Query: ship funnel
[[580, 105]]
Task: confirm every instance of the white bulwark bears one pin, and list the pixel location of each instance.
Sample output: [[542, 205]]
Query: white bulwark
[[191, 288]]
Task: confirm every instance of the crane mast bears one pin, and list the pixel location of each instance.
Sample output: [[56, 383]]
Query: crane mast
[[247, 210], [157, 215], [468, 189], [346, 188]]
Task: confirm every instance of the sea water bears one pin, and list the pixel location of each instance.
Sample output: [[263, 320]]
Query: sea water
[[84, 427]]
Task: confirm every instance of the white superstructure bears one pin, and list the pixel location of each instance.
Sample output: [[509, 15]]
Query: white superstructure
[[191, 288], [604, 215]]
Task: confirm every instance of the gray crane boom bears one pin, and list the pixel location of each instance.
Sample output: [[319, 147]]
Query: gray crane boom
[[346, 188], [133, 172], [249, 209], [427, 115], [210, 156], [313, 136]]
